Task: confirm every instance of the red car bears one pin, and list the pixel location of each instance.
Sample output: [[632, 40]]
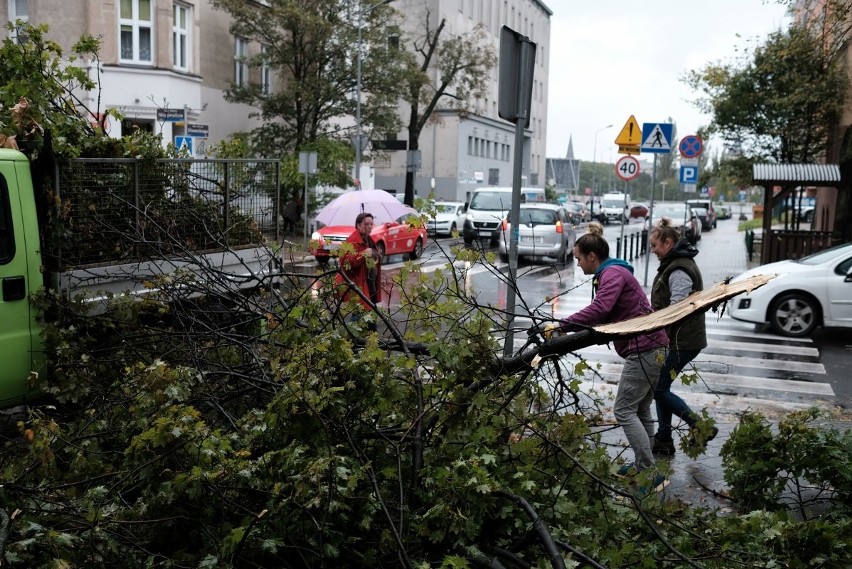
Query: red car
[[392, 238], [638, 210]]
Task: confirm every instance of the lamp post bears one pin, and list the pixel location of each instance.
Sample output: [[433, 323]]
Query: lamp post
[[358, 139], [594, 168]]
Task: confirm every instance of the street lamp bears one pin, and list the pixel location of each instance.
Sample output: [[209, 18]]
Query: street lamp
[[594, 167], [358, 139]]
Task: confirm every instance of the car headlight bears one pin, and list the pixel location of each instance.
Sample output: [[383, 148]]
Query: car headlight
[[317, 236]]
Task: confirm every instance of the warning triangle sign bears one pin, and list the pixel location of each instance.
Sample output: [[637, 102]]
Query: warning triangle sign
[[631, 133]]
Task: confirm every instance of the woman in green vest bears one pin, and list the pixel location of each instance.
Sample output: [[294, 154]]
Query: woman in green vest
[[677, 278]]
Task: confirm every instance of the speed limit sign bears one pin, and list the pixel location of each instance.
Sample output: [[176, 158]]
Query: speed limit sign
[[627, 168]]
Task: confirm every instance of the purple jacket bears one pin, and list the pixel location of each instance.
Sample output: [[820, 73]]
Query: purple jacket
[[617, 296]]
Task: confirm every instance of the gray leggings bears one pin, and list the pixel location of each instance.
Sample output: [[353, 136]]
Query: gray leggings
[[633, 403]]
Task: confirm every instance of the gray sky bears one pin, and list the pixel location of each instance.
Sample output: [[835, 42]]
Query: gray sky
[[610, 59]]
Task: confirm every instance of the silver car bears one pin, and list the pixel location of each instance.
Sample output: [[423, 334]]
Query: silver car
[[544, 231]]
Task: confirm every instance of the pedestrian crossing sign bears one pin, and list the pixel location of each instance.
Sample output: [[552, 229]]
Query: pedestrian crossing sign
[[184, 144], [657, 137]]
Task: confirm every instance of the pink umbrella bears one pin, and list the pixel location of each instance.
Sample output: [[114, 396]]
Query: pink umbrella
[[343, 209]]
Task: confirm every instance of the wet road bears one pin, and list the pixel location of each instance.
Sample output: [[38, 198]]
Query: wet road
[[742, 367]]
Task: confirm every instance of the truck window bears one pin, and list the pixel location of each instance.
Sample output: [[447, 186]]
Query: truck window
[[7, 234]]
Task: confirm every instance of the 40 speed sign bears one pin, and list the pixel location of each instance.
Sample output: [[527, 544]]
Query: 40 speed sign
[[627, 168]]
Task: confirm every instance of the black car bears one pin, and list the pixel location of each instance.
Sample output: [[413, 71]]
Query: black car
[[704, 216]]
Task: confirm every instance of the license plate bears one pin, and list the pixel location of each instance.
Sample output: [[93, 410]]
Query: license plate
[[530, 239]]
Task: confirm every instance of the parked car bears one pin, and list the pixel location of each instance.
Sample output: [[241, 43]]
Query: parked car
[[544, 231], [809, 292], [393, 238], [449, 217], [723, 212], [704, 216], [638, 210], [707, 204], [683, 219], [579, 211], [807, 214]]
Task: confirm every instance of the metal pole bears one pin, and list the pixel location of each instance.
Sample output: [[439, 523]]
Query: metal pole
[[595, 170], [515, 212], [651, 218], [361, 13]]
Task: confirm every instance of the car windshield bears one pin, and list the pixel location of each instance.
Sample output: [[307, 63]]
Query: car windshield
[[491, 201], [613, 203], [699, 211], [672, 212], [826, 255], [445, 208], [538, 217]]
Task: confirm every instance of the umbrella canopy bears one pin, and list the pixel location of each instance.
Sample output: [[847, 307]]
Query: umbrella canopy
[[343, 209]]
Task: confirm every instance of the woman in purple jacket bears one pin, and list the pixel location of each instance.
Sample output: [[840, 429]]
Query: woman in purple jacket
[[617, 296]]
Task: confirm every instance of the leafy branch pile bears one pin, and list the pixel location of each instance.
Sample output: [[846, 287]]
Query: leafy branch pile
[[267, 431]]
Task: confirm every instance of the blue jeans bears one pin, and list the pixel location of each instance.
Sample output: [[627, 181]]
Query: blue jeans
[[668, 403]]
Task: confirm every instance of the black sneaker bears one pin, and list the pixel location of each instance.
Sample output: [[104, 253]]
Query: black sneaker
[[663, 448]]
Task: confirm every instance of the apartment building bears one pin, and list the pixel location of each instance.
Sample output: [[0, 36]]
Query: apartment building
[[166, 63], [463, 153]]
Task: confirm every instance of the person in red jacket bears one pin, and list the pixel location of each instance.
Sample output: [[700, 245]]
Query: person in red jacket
[[363, 266]]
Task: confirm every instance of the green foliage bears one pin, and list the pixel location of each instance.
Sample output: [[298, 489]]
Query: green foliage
[[310, 47], [812, 464], [260, 433], [779, 103]]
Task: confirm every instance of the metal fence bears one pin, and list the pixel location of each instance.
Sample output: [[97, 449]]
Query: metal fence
[[105, 211]]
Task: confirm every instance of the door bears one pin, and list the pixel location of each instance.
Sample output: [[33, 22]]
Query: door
[[839, 292], [15, 323]]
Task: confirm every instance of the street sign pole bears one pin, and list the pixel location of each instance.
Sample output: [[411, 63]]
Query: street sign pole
[[517, 63], [650, 220]]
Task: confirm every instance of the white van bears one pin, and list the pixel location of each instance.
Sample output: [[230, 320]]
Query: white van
[[489, 207]]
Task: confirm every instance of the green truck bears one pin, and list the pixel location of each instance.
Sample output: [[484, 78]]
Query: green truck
[[106, 228]]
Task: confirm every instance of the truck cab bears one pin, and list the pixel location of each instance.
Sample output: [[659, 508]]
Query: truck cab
[[20, 276]]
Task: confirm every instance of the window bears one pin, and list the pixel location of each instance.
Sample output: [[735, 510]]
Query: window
[[180, 37], [7, 230], [493, 176], [265, 72], [18, 10], [135, 31], [240, 65]]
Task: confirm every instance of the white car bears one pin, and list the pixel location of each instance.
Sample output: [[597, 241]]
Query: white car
[[809, 292], [449, 217]]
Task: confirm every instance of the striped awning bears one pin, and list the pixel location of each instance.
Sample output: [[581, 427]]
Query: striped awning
[[803, 174]]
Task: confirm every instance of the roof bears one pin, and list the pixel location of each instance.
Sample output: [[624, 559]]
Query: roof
[[784, 174]]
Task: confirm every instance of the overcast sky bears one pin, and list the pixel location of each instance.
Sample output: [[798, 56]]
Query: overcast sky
[[610, 59]]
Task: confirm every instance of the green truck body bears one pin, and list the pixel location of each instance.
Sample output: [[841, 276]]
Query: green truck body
[[116, 251]]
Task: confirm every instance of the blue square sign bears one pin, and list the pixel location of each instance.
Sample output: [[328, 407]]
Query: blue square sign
[[688, 174]]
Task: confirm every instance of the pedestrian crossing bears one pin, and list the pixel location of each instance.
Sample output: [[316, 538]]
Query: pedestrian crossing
[[740, 368]]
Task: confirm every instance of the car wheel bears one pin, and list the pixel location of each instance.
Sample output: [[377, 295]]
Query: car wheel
[[322, 261], [453, 228], [794, 315], [380, 247], [418, 250]]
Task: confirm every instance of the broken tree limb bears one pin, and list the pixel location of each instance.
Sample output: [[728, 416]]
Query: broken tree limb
[[700, 301]]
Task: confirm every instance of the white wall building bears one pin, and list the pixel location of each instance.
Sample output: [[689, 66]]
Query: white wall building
[[180, 55], [463, 154]]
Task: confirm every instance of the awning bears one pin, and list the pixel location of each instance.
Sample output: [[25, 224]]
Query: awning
[[798, 174]]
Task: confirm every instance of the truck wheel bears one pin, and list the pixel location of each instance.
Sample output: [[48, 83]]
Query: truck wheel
[[504, 257], [418, 250]]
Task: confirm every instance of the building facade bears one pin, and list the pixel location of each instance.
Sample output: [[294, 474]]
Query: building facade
[[165, 64], [463, 153]]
